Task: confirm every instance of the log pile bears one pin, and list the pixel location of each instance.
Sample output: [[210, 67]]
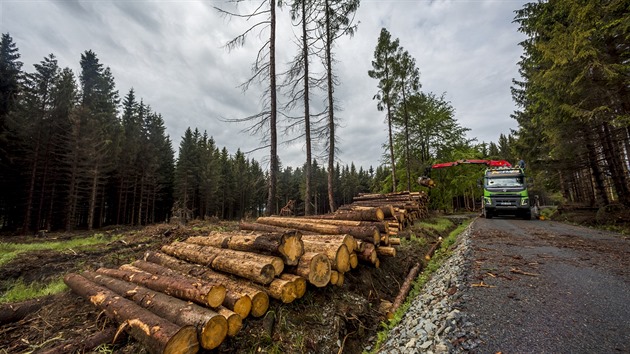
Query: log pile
[[195, 293]]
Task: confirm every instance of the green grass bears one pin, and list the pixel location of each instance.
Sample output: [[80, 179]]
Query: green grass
[[439, 224], [18, 291], [9, 251], [434, 264]]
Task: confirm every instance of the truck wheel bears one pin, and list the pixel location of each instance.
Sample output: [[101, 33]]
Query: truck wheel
[[527, 215], [488, 214]]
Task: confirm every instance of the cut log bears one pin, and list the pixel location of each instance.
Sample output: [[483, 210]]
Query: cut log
[[340, 279], [315, 267], [276, 262], [155, 333], [432, 250], [348, 240], [354, 260], [394, 241], [234, 321], [245, 268], [260, 299], [254, 226], [386, 251], [337, 253], [283, 290], [16, 311], [334, 277], [366, 233], [369, 253], [406, 287], [298, 281], [286, 245], [384, 240], [183, 288], [385, 309], [381, 226], [212, 327], [233, 300]]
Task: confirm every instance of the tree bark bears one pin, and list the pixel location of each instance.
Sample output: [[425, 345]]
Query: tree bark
[[155, 333], [211, 327], [406, 287], [368, 254], [382, 227], [260, 299], [287, 245], [347, 240], [367, 214], [14, 312], [234, 321], [233, 300], [315, 267], [337, 253], [369, 234], [262, 273], [187, 289], [386, 251]]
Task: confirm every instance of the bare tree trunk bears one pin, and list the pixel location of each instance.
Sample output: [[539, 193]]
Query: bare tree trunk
[[308, 207], [273, 168], [93, 194], [331, 108]]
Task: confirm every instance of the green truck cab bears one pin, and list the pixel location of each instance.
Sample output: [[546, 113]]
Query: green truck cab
[[505, 193]]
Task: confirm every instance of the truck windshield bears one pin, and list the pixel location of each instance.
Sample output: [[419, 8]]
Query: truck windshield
[[502, 182]]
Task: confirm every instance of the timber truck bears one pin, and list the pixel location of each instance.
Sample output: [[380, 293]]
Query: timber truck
[[504, 188]]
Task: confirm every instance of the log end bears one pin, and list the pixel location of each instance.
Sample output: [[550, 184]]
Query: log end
[[354, 261], [300, 287], [184, 341], [319, 274], [213, 332], [243, 306], [292, 249], [216, 295], [260, 304], [289, 293], [343, 259], [234, 321]]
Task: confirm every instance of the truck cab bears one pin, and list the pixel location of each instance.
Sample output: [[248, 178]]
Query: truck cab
[[505, 193]]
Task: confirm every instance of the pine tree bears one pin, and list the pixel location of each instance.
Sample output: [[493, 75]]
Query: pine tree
[[383, 70]]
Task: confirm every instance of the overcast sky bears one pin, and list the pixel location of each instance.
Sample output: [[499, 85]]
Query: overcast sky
[[172, 53]]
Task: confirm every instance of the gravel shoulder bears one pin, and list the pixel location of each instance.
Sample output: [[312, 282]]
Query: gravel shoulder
[[517, 286]]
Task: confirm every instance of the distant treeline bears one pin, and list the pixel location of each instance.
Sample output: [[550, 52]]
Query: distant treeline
[[73, 155]]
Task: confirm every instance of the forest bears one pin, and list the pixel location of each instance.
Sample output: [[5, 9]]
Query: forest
[[74, 154]]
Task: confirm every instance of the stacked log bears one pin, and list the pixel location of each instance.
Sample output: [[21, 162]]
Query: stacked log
[[231, 275], [157, 334]]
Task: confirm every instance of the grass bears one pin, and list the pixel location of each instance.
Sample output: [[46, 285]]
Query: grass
[[434, 264], [19, 291], [438, 224], [9, 251]]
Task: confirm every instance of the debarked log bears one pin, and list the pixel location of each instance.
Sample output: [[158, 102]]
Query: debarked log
[[155, 333], [211, 327]]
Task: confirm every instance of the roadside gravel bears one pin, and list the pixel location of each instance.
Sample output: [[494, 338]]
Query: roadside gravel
[[434, 323]]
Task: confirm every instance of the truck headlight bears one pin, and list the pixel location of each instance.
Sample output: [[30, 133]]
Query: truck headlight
[[525, 201], [487, 201]]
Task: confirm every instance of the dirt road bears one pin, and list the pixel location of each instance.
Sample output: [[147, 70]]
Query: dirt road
[[547, 287]]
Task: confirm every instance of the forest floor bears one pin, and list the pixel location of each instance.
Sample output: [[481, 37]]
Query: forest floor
[[323, 321]]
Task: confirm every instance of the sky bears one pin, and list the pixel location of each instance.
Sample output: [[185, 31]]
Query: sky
[[172, 53]]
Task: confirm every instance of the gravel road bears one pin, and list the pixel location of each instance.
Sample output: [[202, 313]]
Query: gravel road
[[516, 286]]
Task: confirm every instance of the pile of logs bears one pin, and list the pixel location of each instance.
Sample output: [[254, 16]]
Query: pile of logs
[[193, 294]]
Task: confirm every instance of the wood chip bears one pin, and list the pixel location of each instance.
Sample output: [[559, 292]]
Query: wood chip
[[518, 271], [483, 285]]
